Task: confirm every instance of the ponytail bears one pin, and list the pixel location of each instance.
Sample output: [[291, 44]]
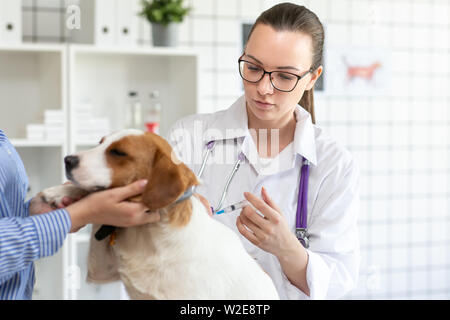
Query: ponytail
[[307, 102]]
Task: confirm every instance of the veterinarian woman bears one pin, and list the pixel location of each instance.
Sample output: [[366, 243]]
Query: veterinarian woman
[[260, 148], [28, 233]]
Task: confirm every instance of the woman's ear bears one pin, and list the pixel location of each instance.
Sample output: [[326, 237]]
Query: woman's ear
[[314, 77], [167, 182]]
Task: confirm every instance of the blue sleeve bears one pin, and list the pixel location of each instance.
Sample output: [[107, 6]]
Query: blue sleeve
[[23, 240]]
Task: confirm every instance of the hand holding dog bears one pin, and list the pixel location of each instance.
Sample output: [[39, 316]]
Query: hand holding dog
[[111, 208]]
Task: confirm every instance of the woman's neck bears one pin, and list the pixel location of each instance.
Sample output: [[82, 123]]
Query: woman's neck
[[280, 131]]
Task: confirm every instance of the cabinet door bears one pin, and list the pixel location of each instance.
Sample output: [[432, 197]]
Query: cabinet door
[[126, 23], [105, 22], [10, 21]]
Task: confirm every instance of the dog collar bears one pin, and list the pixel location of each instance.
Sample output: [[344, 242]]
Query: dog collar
[[189, 192]]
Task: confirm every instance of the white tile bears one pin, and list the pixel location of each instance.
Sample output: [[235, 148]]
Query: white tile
[[228, 31], [184, 30], [400, 61], [401, 37], [422, 12], [207, 57], [440, 38], [440, 63], [378, 233], [379, 184], [203, 7], [401, 11], [380, 136], [400, 209], [421, 38], [420, 281], [420, 87], [337, 35], [363, 11], [320, 8], [380, 210], [227, 8], [439, 136], [441, 12], [250, 9], [400, 137], [360, 135], [420, 185], [227, 58], [267, 4], [420, 161], [360, 36], [207, 81], [439, 233], [400, 85], [228, 83], [441, 163], [399, 234], [203, 30], [380, 36], [340, 10], [439, 87], [339, 110], [439, 278]]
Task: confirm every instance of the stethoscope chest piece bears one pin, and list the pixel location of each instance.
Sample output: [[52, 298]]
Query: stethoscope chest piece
[[303, 236]]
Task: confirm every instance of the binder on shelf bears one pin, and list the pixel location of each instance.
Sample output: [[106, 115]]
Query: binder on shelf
[[107, 23], [10, 21], [127, 25]]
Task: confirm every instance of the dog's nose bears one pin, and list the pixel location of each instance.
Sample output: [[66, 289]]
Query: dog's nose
[[71, 162]]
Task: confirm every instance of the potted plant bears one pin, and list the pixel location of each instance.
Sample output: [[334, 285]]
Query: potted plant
[[165, 16]]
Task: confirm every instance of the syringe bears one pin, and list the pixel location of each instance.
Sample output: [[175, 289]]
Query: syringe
[[233, 207]]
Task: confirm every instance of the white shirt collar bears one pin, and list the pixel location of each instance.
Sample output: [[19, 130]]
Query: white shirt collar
[[233, 123]]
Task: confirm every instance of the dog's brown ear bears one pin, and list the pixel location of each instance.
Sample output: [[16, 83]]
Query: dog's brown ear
[[167, 181]]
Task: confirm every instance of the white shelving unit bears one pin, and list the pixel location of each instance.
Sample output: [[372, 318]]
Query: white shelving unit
[[36, 77]]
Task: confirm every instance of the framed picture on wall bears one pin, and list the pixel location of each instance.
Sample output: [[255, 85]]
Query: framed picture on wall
[[358, 71]]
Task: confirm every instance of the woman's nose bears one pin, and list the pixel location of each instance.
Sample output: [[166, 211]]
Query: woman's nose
[[265, 86]]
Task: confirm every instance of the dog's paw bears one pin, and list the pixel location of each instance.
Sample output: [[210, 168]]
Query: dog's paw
[[54, 196]]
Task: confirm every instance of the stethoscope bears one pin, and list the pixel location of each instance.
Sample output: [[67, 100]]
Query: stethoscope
[[301, 230]]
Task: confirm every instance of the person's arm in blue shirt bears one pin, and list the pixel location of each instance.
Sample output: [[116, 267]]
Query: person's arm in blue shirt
[[24, 240]]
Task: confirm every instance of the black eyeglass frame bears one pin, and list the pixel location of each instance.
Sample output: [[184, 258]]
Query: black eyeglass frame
[[270, 75]]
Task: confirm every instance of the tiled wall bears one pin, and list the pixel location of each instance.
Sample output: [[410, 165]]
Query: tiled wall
[[401, 139]]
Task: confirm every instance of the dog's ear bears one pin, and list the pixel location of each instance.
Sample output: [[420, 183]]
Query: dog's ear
[[167, 181]]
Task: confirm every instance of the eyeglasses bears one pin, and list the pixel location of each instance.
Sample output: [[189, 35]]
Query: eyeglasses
[[281, 80]]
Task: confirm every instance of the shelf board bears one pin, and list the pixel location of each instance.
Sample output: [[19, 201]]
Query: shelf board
[[32, 47], [134, 50], [35, 143]]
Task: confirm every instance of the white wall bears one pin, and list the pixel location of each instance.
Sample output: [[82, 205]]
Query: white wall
[[401, 139]]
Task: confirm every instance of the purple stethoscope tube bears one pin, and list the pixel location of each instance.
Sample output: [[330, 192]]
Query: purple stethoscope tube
[[301, 230]]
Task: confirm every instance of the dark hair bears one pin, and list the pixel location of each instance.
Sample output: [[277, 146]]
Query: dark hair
[[291, 17]]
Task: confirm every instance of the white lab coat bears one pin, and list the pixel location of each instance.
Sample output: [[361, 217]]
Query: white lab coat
[[333, 264]]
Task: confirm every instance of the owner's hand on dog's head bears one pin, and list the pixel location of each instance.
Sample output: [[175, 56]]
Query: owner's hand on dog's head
[[111, 208]]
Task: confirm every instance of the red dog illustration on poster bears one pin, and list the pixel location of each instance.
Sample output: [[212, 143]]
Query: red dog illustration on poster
[[365, 72]]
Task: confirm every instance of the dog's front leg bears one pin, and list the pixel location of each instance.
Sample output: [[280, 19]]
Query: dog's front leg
[[54, 196]]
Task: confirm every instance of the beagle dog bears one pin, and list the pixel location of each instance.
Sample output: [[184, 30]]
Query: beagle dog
[[186, 254]]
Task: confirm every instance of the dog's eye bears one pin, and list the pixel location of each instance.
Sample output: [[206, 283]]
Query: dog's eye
[[117, 153]]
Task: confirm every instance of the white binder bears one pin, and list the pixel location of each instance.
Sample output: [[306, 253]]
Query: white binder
[[127, 23], [108, 22], [10, 21]]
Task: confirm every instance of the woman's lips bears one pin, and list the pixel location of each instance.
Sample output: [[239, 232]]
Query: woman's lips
[[263, 105]]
